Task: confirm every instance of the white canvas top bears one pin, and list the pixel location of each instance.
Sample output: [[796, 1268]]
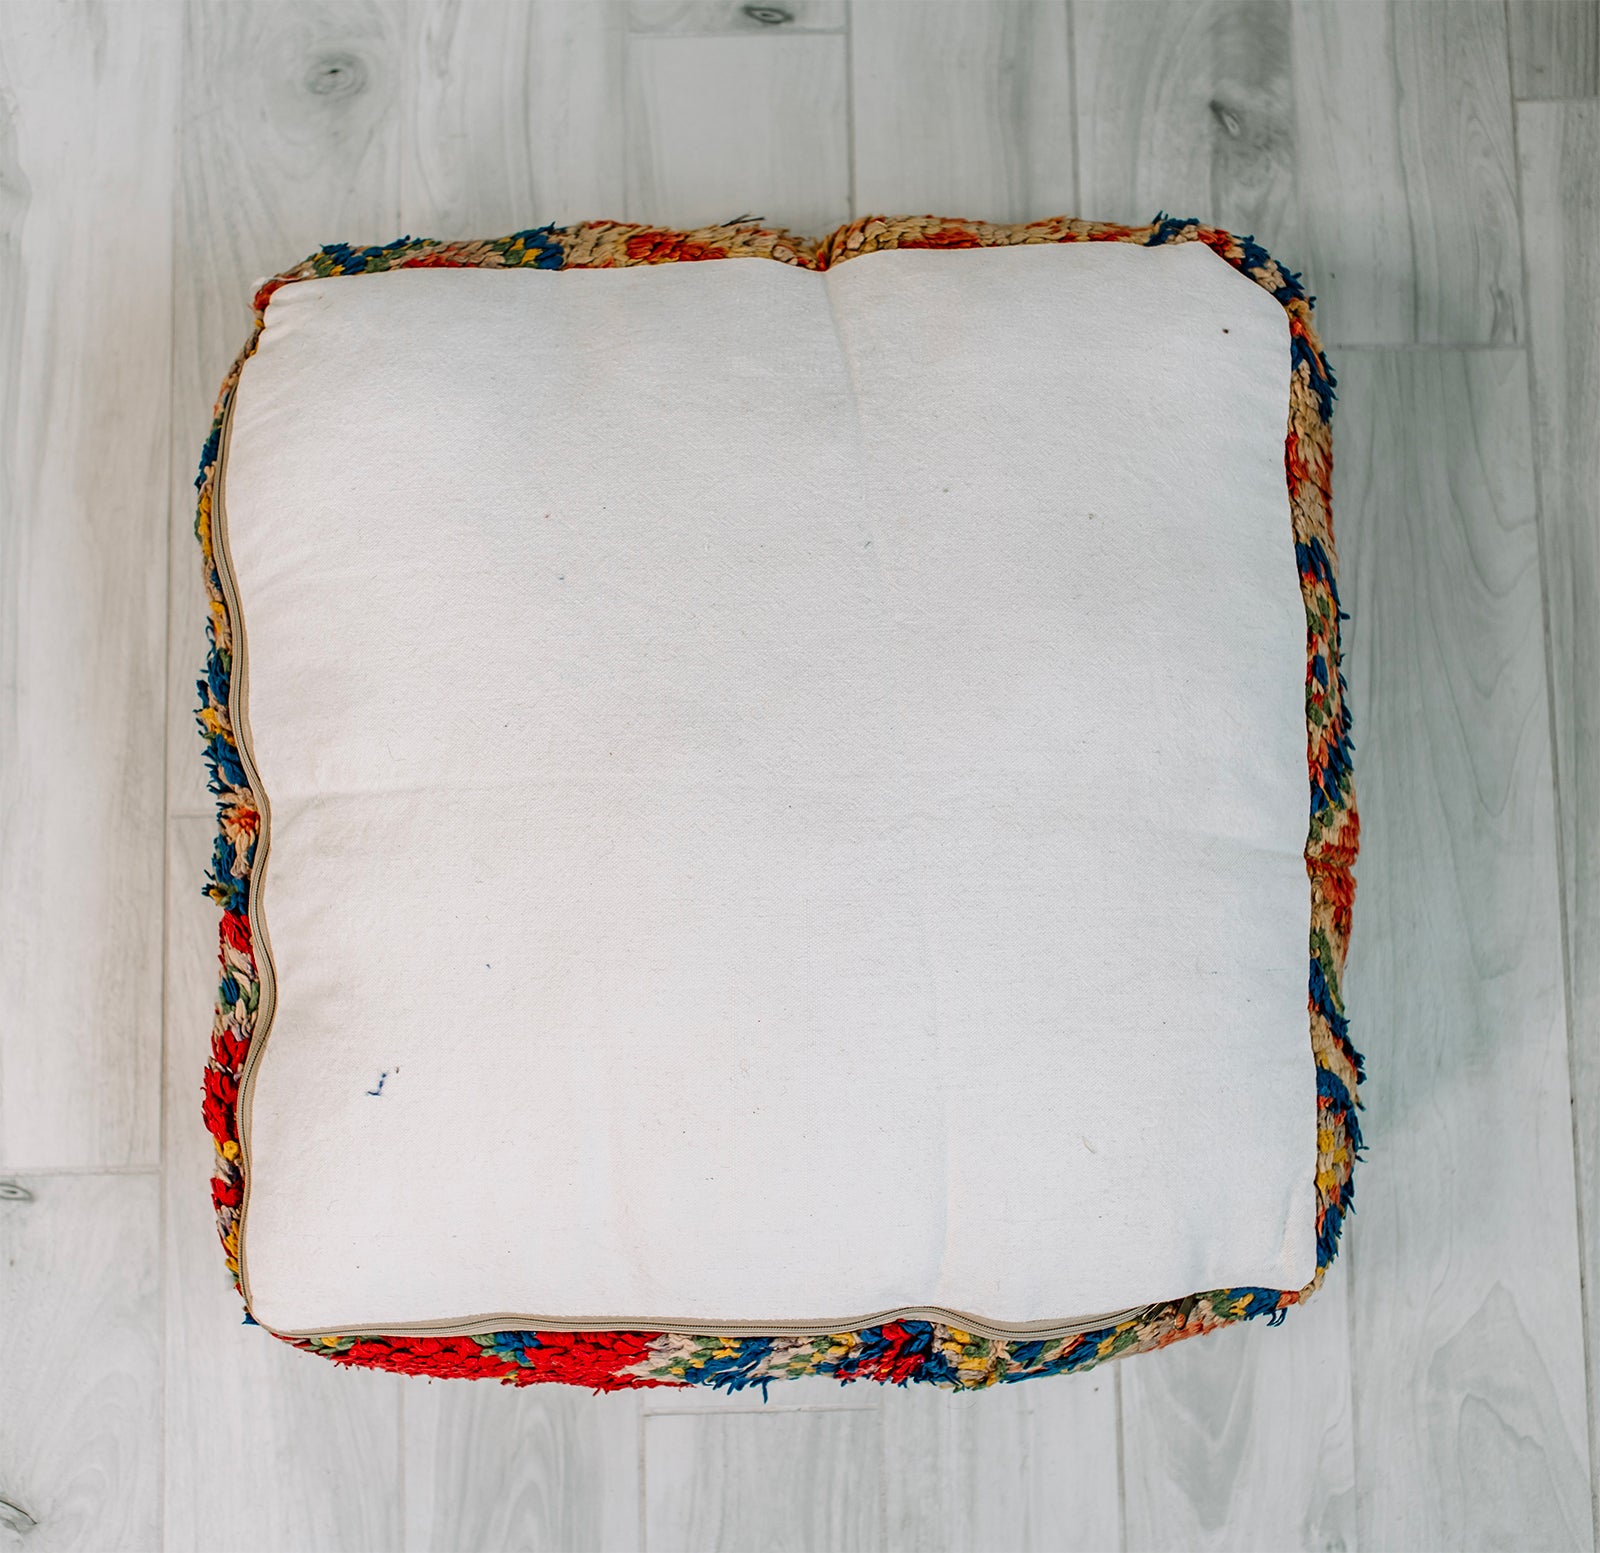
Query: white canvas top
[[787, 791]]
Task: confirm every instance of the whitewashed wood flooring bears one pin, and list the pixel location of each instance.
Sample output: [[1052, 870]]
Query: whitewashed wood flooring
[[1434, 165]]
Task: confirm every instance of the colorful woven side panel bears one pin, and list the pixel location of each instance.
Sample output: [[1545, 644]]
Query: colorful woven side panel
[[904, 1350]]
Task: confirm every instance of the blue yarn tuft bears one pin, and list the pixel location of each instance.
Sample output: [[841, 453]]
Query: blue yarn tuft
[[1168, 227], [208, 455], [541, 239]]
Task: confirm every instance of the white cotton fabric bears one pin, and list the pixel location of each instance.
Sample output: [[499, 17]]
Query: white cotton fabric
[[787, 790]]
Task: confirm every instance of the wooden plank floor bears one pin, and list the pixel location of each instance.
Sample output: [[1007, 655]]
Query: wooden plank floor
[[1433, 166]]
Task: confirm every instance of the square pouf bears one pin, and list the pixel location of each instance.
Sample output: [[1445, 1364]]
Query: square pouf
[[785, 806]]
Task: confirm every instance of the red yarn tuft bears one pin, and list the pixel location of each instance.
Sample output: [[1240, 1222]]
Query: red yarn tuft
[[653, 246], [944, 237]]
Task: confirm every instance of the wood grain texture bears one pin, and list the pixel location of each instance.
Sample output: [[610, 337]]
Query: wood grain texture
[[512, 116], [291, 139], [808, 1393], [1184, 103], [1030, 1468], [1555, 47], [722, 127], [1354, 232], [788, 1482], [772, 16], [963, 108], [267, 1448], [1560, 146], [546, 1469], [1244, 1440], [1455, 155], [1369, 144], [80, 1363], [88, 106], [1467, 1337], [1187, 108]]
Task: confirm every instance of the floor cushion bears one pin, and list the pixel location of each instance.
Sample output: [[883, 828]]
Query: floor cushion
[[764, 806]]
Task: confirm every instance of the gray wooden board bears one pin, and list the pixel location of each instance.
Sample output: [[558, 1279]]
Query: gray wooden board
[[88, 107], [721, 127], [962, 109], [80, 1363], [1555, 47], [548, 1469], [1030, 1467], [511, 116], [708, 16], [764, 1478], [1244, 1439], [1467, 1354], [1560, 146], [1368, 144]]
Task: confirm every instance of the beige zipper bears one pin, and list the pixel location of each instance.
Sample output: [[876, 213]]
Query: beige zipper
[[501, 1321], [498, 1321]]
